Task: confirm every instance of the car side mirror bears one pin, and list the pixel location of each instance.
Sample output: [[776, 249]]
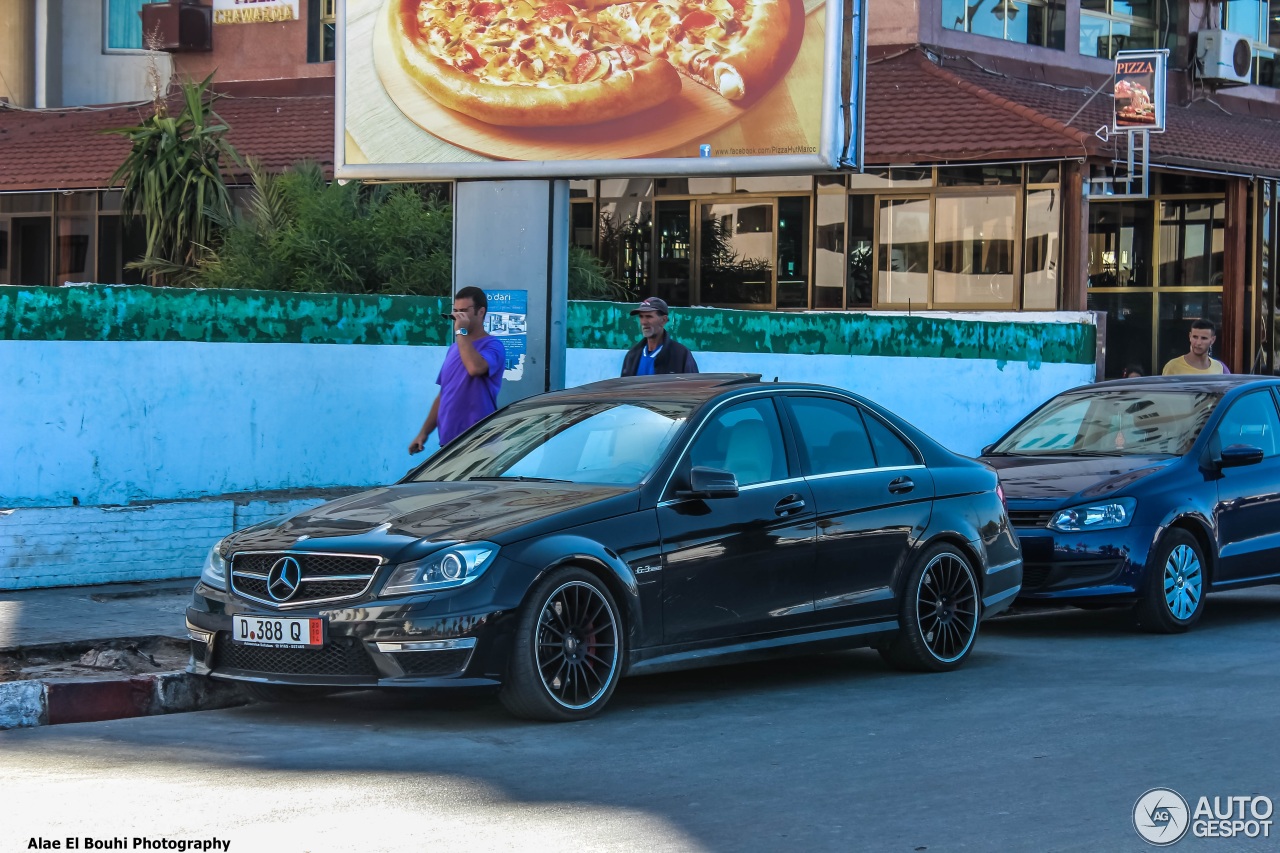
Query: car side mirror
[[1236, 455], [710, 483], [984, 451]]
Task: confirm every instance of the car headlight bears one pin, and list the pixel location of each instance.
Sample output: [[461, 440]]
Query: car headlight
[[214, 572], [1100, 516], [456, 566]]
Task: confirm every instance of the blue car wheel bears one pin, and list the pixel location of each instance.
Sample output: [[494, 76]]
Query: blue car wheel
[[1173, 598]]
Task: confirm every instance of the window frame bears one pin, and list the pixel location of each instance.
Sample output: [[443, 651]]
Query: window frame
[[107, 49]]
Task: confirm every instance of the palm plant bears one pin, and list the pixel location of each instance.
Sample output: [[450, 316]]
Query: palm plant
[[173, 180]]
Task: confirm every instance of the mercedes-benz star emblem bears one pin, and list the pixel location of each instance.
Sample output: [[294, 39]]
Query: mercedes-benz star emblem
[[284, 579]]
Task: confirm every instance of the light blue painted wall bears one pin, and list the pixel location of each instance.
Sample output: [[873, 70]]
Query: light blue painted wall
[[963, 403], [114, 423]]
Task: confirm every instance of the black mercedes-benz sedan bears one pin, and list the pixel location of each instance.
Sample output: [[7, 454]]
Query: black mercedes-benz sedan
[[1147, 492], [626, 526]]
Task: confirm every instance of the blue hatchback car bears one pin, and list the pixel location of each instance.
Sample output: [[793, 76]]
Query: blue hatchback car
[[1147, 492]]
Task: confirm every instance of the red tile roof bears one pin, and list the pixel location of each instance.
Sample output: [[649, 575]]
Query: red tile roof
[[65, 149]]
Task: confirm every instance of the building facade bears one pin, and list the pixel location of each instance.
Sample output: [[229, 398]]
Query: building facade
[[986, 184]]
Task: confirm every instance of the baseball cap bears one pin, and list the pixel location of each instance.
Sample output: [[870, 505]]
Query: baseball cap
[[653, 303]]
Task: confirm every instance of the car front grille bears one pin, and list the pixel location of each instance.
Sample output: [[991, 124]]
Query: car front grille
[[325, 577], [341, 656], [1030, 517], [444, 662]]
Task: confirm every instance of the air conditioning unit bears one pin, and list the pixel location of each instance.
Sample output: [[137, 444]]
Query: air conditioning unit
[[1224, 59]]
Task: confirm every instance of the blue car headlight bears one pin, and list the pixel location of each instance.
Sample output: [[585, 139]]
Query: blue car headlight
[[1099, 516], [452, 567], [214, 572]]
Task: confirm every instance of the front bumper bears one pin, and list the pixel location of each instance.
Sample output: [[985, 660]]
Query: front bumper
[[423, 641], [1107, 565]]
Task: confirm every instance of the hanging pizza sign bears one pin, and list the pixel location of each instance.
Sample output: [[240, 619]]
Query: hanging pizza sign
[[597, 88], [1139, 90]]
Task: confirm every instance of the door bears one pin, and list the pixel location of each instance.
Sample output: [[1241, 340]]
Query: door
[[1248, 510], [738, 566], [674, 231], [873, 498]]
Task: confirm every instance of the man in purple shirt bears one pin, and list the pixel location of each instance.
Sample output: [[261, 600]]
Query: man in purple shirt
[[471, 376]]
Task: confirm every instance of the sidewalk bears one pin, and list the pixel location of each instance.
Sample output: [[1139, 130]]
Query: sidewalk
[[63, 623]]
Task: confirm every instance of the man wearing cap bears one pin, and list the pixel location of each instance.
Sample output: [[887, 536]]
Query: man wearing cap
[[658, 353]]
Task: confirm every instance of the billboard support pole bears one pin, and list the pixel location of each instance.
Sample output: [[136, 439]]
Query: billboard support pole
[[511, 239]]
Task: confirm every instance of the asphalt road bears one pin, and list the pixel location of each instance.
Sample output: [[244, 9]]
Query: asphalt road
[[1043, 742]]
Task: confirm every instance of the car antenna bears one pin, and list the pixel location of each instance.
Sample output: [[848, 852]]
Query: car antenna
[[775, 380]]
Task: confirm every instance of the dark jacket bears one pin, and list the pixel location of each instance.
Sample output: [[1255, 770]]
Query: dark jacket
[[674, 358]]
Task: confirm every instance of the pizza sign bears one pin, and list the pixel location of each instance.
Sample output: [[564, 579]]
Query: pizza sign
[[1138, 91], [599, 88]]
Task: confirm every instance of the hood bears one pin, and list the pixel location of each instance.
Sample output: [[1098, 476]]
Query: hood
[[385, 520], [1070, 479]]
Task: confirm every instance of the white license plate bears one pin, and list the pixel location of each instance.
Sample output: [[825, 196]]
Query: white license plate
[[281, 633]]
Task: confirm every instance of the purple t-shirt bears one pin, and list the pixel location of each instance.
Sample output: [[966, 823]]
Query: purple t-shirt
[[465, 399]]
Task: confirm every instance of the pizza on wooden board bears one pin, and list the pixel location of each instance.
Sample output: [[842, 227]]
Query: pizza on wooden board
[[546, 63]]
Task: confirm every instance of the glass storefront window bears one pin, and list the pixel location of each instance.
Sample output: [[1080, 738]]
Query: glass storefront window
[[1192, 243], [582, 189], [1040, 251], [582, 224], [828, 271], [1038, 22], [693, 186], [626, 188], [736, 251], [793, 252], [862, 235], [795, 183], [1129, 330], [1177, 310], [980, 176], [626, 232], [1120, 244], [973, 251], [26, 202], [75, 249], [903, 274], [674, 230]]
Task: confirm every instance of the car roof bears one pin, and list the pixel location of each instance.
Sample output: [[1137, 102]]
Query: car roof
[[681, 387], [1220, 383]]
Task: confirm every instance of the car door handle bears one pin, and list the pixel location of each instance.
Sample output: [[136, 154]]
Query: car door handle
[[788, 505], [901, 485]]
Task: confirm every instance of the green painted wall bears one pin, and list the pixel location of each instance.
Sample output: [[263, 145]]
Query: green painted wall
[[117, 313]]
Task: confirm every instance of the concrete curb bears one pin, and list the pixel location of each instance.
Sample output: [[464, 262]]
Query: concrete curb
[[24, 704]]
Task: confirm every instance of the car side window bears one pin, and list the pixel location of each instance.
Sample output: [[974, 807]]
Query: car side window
[[1251, 420], [832, 436], [891, 450], [745, 440]]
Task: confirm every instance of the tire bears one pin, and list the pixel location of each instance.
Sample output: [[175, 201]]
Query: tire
[[283, 692], [1172, 598], [567, 654], [938, 614]]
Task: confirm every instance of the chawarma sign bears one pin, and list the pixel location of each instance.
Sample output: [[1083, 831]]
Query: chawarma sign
[[254, 11], [597, 88]]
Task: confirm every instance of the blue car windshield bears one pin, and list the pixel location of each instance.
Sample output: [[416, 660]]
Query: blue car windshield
[[597, 442], [1112, 423]]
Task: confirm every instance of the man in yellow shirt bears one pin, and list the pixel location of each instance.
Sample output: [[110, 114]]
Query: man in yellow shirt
[[1198, 360]]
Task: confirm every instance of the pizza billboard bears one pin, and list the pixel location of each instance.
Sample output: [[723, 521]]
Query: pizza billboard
[[431, 89], [1138, 91]]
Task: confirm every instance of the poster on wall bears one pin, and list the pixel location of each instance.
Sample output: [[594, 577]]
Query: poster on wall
[[508, 319], [254, 11], [552, 88], [1139, 90]]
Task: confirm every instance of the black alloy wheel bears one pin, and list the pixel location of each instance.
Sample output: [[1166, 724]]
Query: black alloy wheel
[[567, 653], [938, 615]]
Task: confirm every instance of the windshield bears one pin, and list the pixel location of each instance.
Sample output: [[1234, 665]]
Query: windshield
[[612, 443], [1113, 423]]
